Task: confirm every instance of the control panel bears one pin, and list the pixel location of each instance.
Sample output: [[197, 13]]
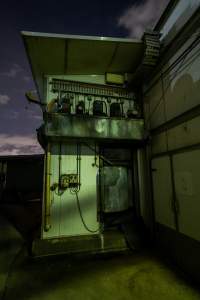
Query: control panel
[[78, 98], [69, 181]]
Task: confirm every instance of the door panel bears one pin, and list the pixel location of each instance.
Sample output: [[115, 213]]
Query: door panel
[[65, 216], [187, 187], [162, 191], [70, 219]]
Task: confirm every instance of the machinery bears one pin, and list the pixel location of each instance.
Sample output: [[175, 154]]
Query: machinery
[[92, 129]]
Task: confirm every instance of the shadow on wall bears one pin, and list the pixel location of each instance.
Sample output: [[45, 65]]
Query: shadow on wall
[[183, 96], [180, 96]]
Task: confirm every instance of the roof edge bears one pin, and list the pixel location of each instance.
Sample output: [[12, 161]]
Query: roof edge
[[79, 37]]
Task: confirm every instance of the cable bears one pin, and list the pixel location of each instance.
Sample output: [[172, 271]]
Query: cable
[[180, 60], [78, 164], [177, 61], [96, 153], [185, 53], [75, 191], [190, 60], [164, 92], [193, 44]]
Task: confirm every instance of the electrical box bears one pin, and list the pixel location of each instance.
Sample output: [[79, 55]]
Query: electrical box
[[114, 78], [68, 181]]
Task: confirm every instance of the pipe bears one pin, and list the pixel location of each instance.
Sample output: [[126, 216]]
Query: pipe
[[47, 224]]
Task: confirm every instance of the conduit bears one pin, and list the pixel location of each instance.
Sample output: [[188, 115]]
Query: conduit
[[47, 224]]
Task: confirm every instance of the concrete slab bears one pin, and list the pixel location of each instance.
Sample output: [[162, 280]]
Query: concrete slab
[[10, 244], [118, 276], [109, 241]]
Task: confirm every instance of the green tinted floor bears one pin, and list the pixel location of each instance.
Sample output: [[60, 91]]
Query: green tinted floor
[[122, 276]]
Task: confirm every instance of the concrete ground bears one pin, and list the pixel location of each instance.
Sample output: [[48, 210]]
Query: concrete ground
[[118, 276]]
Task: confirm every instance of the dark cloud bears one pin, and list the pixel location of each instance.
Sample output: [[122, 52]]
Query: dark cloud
[[19, 144]]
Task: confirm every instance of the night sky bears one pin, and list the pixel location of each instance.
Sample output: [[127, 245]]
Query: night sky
[[116, 18]]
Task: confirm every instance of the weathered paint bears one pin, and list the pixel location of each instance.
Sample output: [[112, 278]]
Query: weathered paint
[[177, 90], [61, 54], [64, 126], [172, 95]]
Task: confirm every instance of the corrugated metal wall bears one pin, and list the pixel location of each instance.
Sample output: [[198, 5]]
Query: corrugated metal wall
[[172, 108], [172, 116]]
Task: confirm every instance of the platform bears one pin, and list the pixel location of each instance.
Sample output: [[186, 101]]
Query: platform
[[60, 125], [110, 241]]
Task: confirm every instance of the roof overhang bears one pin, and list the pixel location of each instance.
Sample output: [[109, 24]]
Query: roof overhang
[[58, 54]]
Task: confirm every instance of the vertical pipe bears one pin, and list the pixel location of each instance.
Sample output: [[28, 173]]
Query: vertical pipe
[[47, 224], [59, 164], [135, 182]]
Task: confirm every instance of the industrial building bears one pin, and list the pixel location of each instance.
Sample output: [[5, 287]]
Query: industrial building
[[120, 134]]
